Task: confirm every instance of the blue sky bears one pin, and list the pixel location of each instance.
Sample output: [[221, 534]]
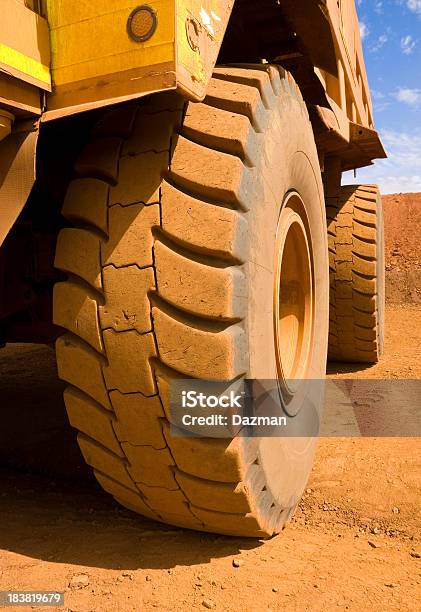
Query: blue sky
[[391, 32]]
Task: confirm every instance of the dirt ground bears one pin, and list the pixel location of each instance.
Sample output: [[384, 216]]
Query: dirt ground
[[402, 220], [353, 544]]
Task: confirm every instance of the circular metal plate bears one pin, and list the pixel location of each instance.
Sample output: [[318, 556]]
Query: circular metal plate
[[142, 23]]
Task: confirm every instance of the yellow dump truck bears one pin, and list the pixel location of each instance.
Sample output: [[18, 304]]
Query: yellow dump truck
[[171, 208]]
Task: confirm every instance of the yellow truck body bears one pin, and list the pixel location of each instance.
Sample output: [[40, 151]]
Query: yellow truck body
[[94, 58], [24, 58], [24, 46], [63, 57], [82, 53], [82, 56]]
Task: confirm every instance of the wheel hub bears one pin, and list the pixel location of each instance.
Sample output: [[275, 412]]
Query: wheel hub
[[293, 295]]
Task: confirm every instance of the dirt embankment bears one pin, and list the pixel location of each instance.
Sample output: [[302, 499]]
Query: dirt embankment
[[402, 221]]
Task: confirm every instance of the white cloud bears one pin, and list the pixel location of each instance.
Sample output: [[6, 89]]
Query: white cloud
[[407, 44], [380, 42], [401, 172], [364, 30], [377, 95], [398, 184], [380, 100], [412, 97], [405, 95], [380, 107], [414, 6], [404, 149]]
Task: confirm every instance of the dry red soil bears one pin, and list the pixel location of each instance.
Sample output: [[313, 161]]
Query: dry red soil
[[354, 543], [402, 220]]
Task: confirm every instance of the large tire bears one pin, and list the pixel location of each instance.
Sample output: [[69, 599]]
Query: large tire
[[357, 275], [177, 213]]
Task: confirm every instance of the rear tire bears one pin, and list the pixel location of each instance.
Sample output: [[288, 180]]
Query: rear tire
[[357, 275], [174, 264]]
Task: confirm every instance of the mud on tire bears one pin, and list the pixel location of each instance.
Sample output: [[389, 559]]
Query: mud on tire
[[170, 261]]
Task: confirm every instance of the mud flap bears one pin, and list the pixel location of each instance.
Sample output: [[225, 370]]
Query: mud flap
[[17, 175]]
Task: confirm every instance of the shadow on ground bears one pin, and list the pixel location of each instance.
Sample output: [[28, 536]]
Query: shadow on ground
[[35, 433], [51, 507], [59, 521], [334, 367]]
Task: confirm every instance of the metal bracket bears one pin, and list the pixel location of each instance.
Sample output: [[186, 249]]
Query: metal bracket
[[17, 176]]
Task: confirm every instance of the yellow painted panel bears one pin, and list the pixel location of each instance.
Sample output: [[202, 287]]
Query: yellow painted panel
[[23, 63], [97, 67], [190, 59], [196, 55], [65, 12], [24, 44], [89, 38]]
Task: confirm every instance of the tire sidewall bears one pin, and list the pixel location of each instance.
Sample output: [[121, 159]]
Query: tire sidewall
[[289, 162], [380, 275]]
